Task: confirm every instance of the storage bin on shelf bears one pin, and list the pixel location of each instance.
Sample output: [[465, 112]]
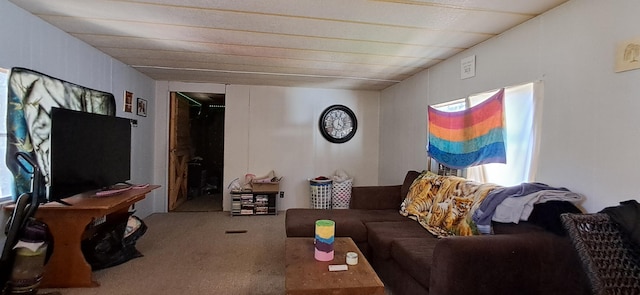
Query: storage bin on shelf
[[321, 193], [341, 194]]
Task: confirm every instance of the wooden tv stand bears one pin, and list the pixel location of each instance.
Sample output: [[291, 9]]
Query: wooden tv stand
[[67, 266]]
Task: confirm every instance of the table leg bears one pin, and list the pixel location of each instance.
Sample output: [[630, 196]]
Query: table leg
[[67, 266]]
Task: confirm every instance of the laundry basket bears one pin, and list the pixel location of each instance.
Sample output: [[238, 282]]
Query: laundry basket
[[321, 193], [341, 194]]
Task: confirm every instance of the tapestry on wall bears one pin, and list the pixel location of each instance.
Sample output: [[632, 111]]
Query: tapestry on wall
[[469, 137], [30, 97]]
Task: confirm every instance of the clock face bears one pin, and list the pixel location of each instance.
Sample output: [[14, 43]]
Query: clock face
[[338, 124]]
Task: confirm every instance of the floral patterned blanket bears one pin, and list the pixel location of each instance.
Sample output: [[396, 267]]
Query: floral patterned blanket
[[444, 205]]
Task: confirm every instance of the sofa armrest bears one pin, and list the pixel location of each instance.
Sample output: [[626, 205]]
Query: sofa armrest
[[375, 197], [532, 263]]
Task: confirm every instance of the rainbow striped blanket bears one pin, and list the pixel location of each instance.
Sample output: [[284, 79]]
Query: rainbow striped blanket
[[470, 137]]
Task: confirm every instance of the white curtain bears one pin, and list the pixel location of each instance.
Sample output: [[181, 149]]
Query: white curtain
[[523, 104]]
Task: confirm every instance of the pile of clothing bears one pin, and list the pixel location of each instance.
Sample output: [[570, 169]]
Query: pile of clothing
[[515, 203]]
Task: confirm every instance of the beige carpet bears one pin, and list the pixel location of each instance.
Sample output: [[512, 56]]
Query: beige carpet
[[190, 253], [202, 203]]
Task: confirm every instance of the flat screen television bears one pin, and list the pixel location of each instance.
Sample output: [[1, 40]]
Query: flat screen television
[[88, 152]]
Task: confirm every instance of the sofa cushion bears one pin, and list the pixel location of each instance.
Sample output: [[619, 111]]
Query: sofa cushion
[[381, 197], [302, 223], [382, 234], [414, 257], [381, 215], [514, 228], [408, 181], [375, 197]]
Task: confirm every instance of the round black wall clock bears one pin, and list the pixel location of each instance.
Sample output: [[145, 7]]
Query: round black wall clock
[[338, 124]]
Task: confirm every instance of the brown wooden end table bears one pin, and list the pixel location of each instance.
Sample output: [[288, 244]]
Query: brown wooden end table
[[306, 275], [67, 267]]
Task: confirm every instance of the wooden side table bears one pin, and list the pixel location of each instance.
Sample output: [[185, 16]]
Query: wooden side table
[[67, 266]]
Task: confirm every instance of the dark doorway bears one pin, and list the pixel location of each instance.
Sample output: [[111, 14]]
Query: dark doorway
[[206, 164]]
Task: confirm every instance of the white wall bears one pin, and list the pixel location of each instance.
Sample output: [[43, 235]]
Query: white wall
[[403, 124], [29, 42], [590, 113], [276, 128]]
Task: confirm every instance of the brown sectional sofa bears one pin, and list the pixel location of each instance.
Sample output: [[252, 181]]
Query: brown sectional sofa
[[517, 259]]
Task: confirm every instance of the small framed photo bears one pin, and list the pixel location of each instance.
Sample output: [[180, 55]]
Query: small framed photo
[[468, 67], [142, 107], [628, 55], [128, 101]]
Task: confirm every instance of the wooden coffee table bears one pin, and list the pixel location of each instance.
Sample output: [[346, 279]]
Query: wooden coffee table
[[306, 275]]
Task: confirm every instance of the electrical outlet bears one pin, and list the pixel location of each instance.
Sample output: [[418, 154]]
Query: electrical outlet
[[281, 195]]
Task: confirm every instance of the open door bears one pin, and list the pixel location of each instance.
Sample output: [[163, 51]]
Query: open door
[[179, 151]]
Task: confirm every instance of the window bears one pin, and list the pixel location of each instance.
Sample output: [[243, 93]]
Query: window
[[521, 140], [6, 178]]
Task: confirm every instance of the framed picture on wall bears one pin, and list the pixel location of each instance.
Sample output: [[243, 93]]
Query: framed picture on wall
[[142, 107], [628, 55], [128, 101]]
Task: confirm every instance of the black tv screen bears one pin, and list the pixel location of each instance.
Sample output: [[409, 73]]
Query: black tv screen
[[88, 152]]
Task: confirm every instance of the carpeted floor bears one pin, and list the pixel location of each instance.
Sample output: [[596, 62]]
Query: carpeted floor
[[192, 253], [202, 203]]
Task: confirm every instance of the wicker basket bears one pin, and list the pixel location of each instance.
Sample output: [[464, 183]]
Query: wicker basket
[[321, 193], [341, 194], [609, 258]]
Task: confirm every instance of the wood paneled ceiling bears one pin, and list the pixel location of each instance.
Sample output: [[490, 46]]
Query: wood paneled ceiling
[[351, 44]]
